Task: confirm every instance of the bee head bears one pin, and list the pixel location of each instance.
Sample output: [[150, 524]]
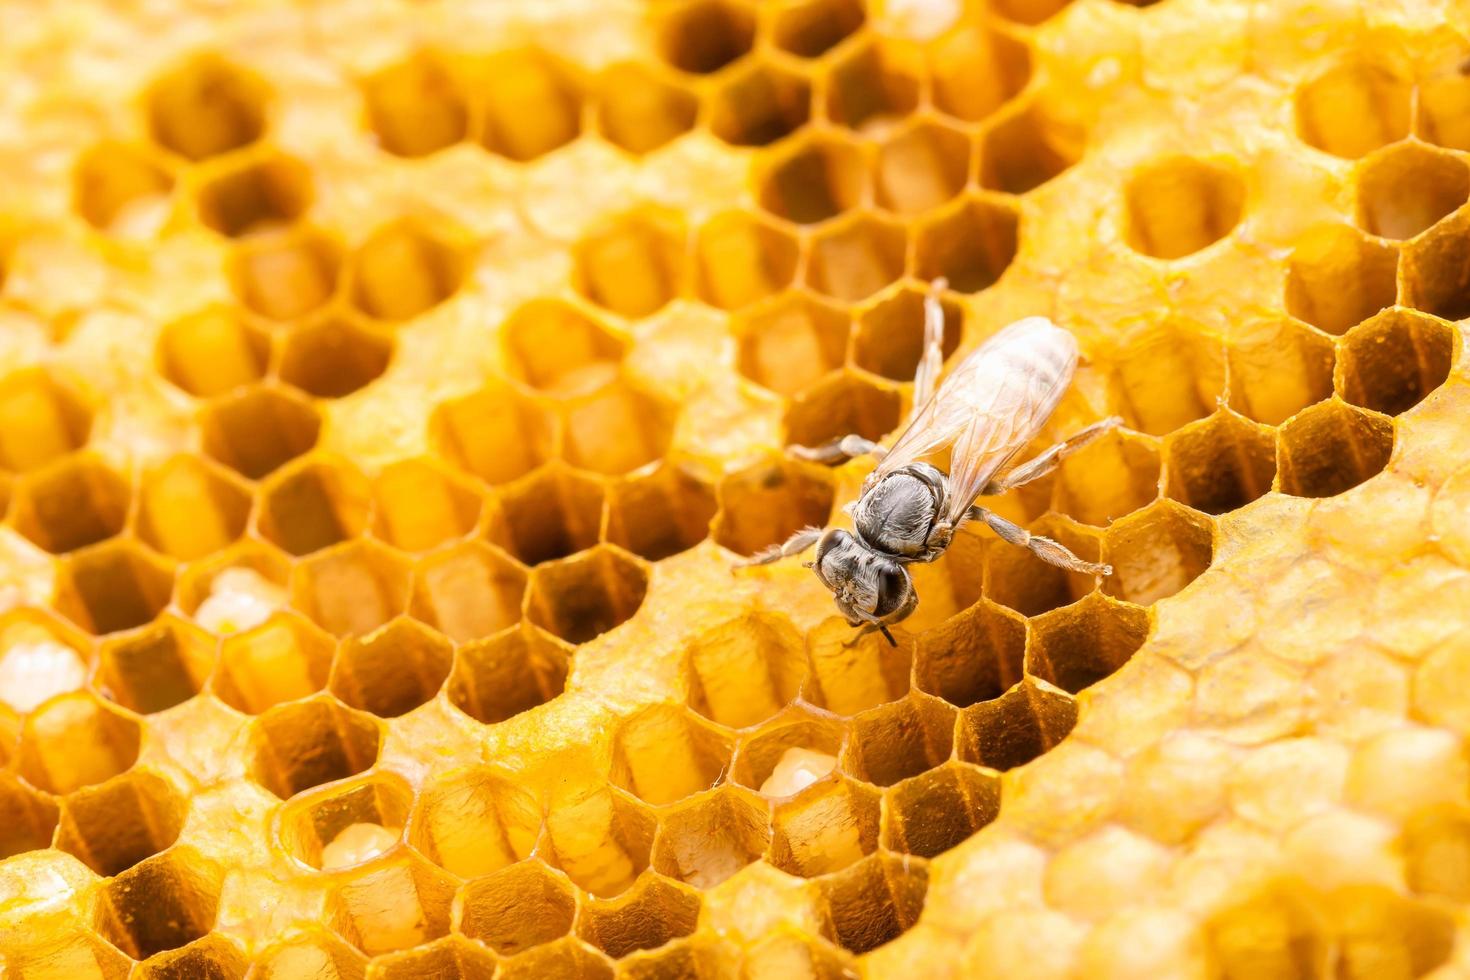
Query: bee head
[[870, 589]]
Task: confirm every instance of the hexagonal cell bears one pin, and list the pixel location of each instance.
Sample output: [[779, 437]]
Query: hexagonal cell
[[786, 759], [553, 346], [639, 110], [974, 657], [824, 829], [450, 958], [258, 429], [810, 28], [1220, 463], [206, 106], [404, 269], [849, 675], [257, 194], [160, 666], [1276, 367], [1436, 273], [1173, 374], [421, 505], [631, 264], [745, 671], [1337, 278], [1273, 928], [760, 105], [660, 514], [211, 352], [601, 839], [473, 822], [297, 746], [975, 71], [838, 406], [72, 503], [162, 903], [213, 955], [532, 104], [703, 36], [1156, 552], [122, 822], [617, 429], [27, 819], [787, 951], [856, 258], [334, 357], [1111, 476], [1179, 205], [1352, 109], [313, 505], [663, 754], [1016, 727], [77, 951], [934, 811], [647, 917], [875, 901], [312, 828], [890, 334], [287, 274], [712, 837], [1444, 109], [764, 504], [895, 741], [582, 597], [873, 87], [497, 433], [311, 950], [416, 106], [39, 659], [516, 908], [500, 677], [1079, 645], [567, 957], [791, 342], [236, 590], [1392, 362], [1026, 150], [76, 740], [353, 588], [921, 166], [1406, 189], [113, 586], [970, 243], [392, 671], [1374, 922], [817, 178], [467, 592], [189, 507], [40, 419], [1017, 579], [549, 515], [285, 659], [397, 906], [122, 190], [1330, 448], [741, 258]]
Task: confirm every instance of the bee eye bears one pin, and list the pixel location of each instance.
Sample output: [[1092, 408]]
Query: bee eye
[[893, 590]]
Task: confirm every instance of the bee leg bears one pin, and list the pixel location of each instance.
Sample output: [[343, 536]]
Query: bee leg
[[839, 450], [794, 545], [1043, 464], [1049, 551], [926, 378]]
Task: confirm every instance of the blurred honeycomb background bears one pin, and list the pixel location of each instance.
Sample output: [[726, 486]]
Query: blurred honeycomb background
[[387, 387]]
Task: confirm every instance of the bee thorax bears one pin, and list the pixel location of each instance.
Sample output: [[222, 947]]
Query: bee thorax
[[897, 514]]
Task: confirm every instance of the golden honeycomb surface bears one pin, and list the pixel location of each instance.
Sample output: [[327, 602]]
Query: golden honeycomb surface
[[469, 336]]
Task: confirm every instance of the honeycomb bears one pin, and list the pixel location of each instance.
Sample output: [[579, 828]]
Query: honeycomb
[[387, 389]]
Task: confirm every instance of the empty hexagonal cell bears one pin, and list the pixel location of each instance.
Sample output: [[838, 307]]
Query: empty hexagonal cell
[[156, 668], [1111, 476], [27, 818], [313, 949], [518, 907], [160, 904], [122, 189], [639, 110], [601, 839], [297, 746], [584, 596], [393, 670], [553, 346], [402, 904], [1172, 375], [875, 901], [856, 258], [764, 504], [1435, 271], [824, 829], [660, 514], [314, 828], [936, 810], [1179, 205], [1027, 149], [1157, 551], [1390, 363], [213, 955], [532, 104], [703, 36], [921, 166], [789, 756], [40, 419], [353, 588], [631, 264], [810, 28], [664, 754], [450, 958], [1221, 463], [841, 405], [1337, 278], [76, 740], [313, 505], [1276, 367], [617, 429], [206, 106], [256, 194], [745, 671], [890, 334], [551, 514], [973, 657], [421, 505], [1444, 110], [189, 507], [1406, 189], [1330, 448], [1017, 579], [514, 671], [848, 674], [473, 822], [70, 504], [496, 433], [257, 429], [647, 917], [404, 269], [334, 357], [569, 957], [790, 343], [212, 351], [39, 659], [469, 591], [116, 825], [741, 258], [873, 87], [815, 179], [712, 837], [1352, 109], [1016, 727], [287, 274], [284, 659], [895, 741], [760, 104], [974, 71], [1079, 645], [113, 586], [417, 105], [971, 244]]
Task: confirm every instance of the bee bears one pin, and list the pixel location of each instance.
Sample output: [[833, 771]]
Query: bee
[[990, 407]]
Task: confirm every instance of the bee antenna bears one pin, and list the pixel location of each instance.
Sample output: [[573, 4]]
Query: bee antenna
[[887, 635]]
